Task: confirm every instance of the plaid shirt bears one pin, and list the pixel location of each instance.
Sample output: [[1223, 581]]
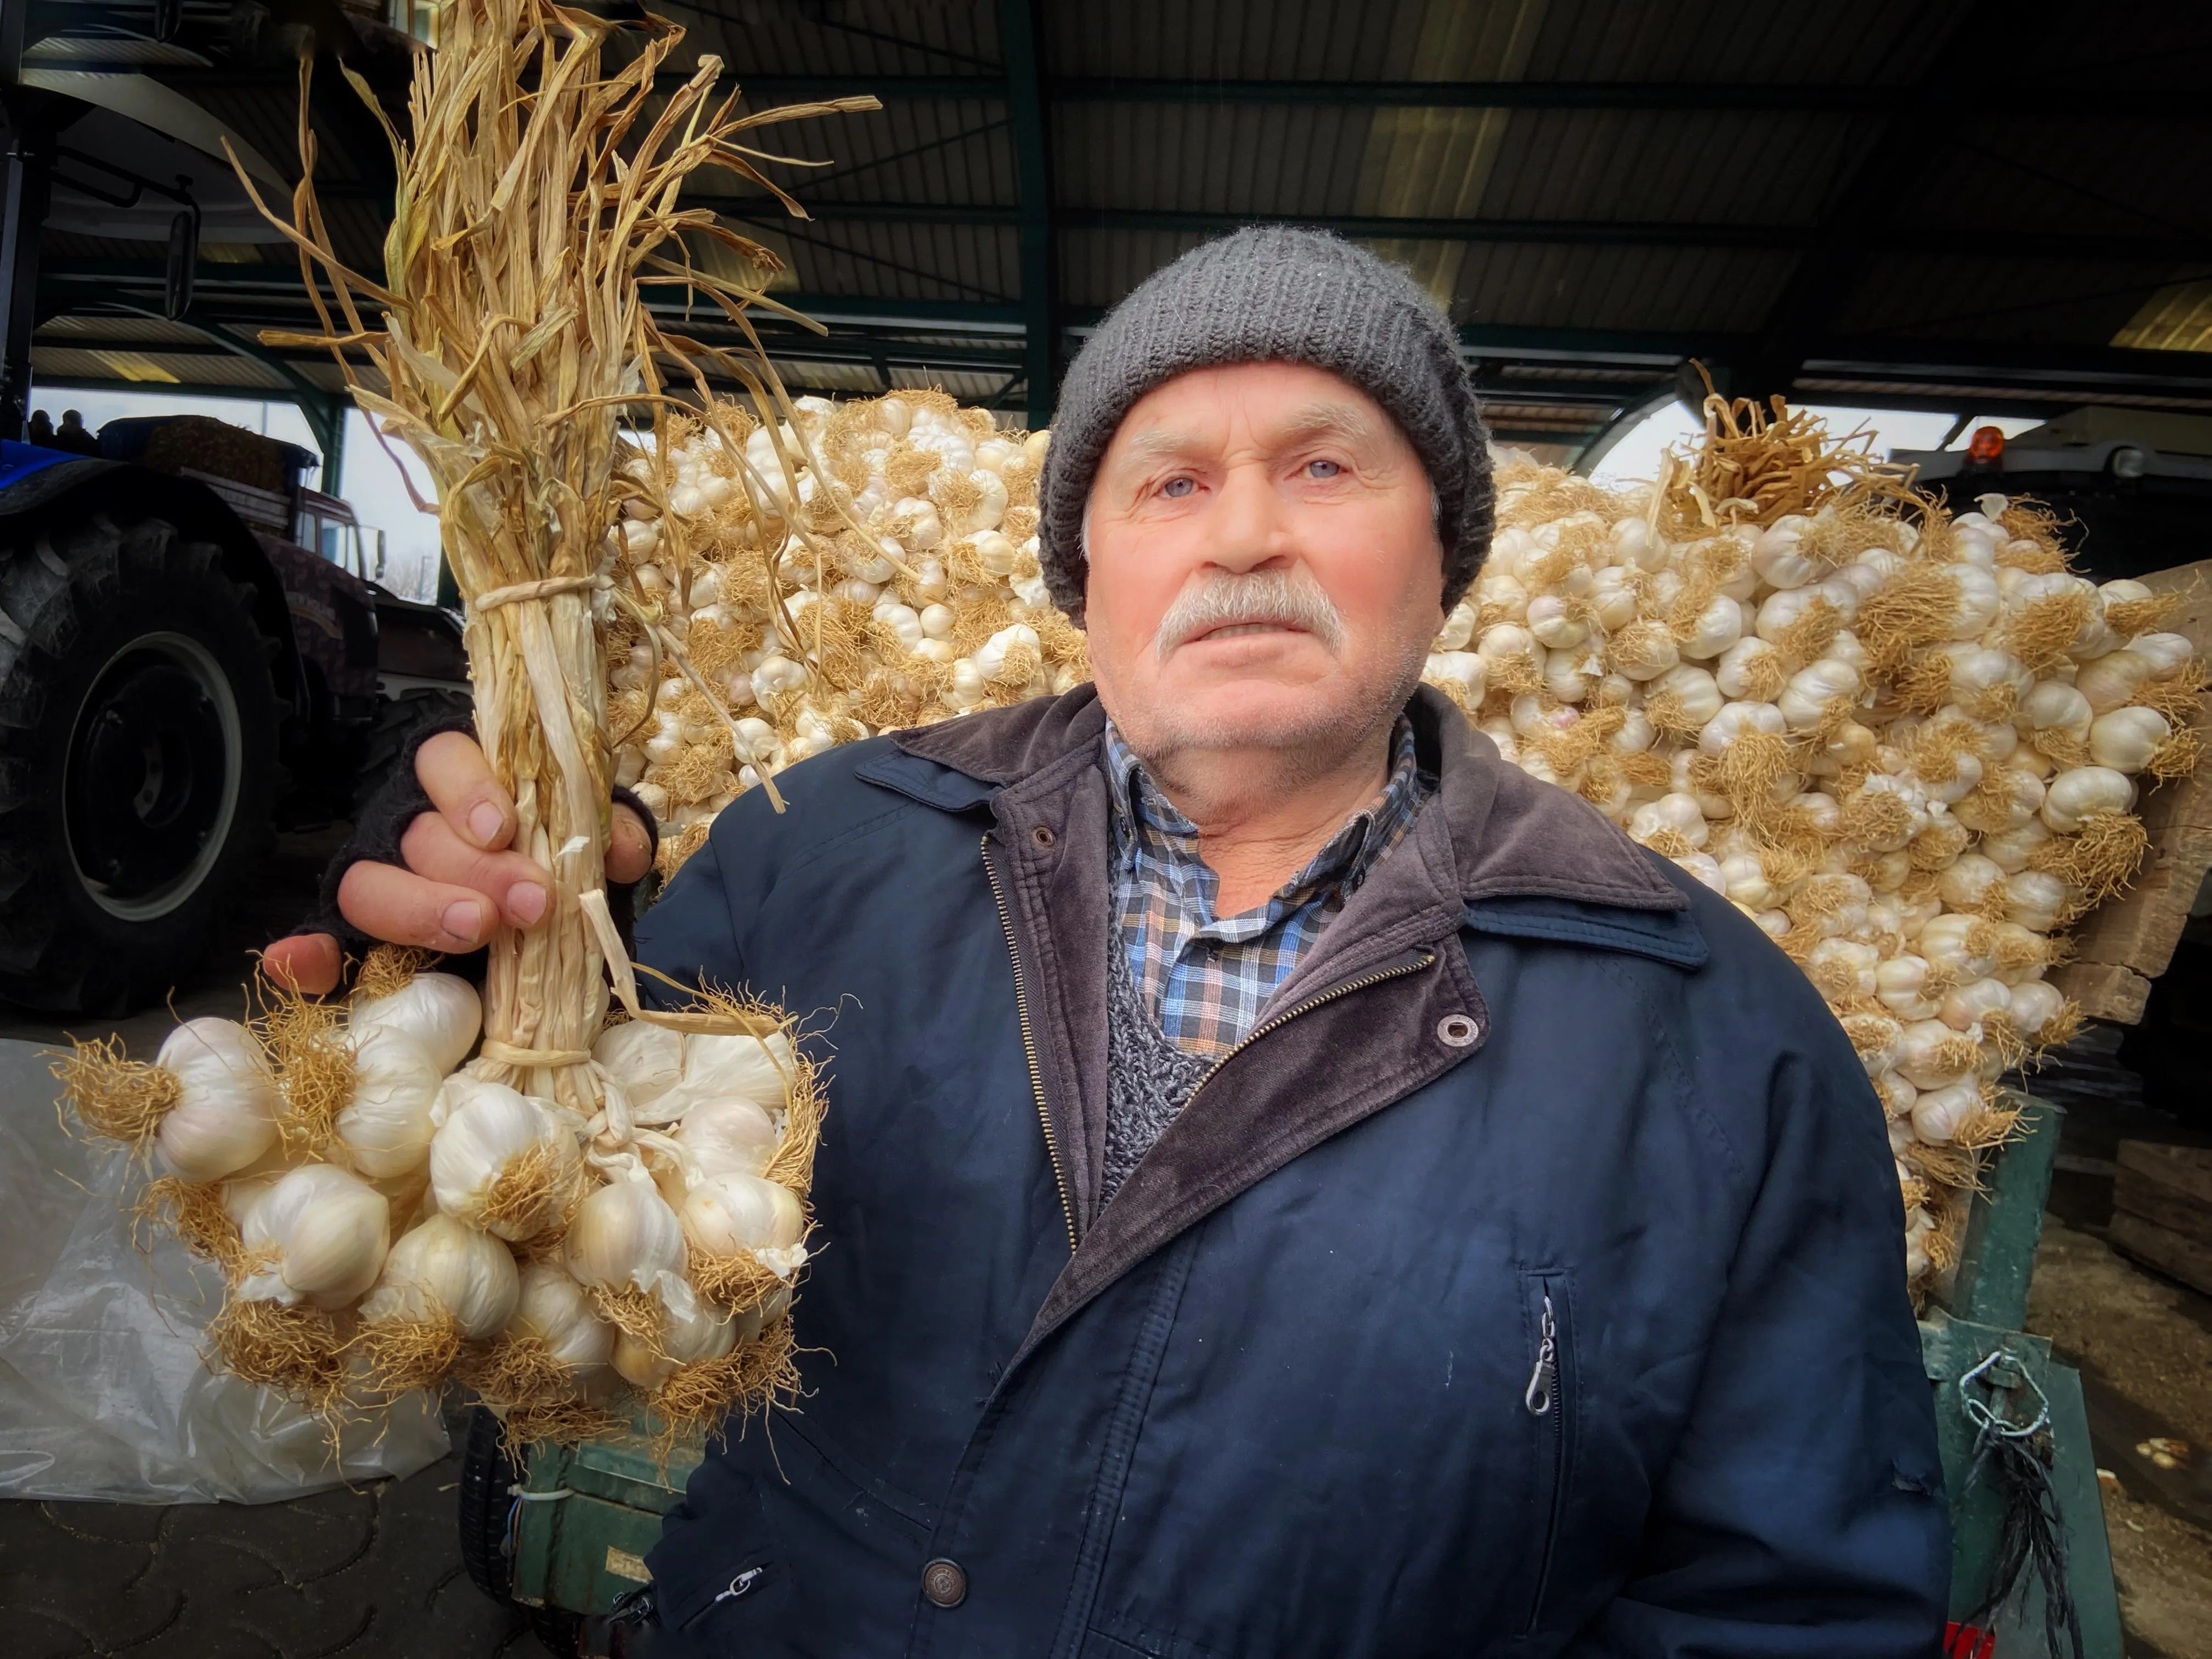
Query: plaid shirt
[[1207, 979]]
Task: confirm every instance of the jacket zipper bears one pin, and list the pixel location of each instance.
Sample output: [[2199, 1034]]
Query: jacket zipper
[[1541, 1401], [1029, 1045]]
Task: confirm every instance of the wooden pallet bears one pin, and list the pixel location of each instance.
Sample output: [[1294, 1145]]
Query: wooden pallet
[[2127, 943], [2162, 1209]]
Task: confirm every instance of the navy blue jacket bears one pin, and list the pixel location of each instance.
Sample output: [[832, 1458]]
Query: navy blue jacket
[[1531, 1282]]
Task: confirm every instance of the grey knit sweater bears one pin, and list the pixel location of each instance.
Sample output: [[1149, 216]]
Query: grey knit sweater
[[1148, 1079]]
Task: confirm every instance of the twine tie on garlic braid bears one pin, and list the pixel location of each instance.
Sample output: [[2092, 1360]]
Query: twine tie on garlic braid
[[543, 589], [506, 1054]]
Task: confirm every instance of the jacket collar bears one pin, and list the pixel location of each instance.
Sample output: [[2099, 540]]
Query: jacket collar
[[1511, 835]]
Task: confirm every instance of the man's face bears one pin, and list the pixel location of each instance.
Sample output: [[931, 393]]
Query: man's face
[[1264, 566]]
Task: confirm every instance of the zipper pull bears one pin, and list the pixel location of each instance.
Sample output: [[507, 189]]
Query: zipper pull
[[1543, 1381], [739, 1585]]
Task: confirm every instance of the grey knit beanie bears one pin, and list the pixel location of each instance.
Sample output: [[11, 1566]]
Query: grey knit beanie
[[1274, 293]]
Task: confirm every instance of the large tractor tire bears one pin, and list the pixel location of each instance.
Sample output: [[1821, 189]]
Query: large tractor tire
[[137, 759]]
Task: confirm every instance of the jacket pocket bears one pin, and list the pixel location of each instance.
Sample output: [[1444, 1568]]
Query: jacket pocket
[[1549, 1404], [718, 1570]]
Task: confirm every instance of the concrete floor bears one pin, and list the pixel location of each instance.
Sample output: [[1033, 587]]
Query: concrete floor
[[373, 1572]]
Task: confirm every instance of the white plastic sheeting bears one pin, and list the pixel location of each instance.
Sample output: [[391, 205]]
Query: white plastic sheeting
[[103, 1394]]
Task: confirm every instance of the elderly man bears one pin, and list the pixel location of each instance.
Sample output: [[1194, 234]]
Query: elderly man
[[1295, 1185]]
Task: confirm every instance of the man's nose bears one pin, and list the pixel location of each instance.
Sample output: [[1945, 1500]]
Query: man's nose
[[1248, 529]]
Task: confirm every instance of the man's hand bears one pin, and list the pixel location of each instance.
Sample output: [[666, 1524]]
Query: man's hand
[[460, 881]]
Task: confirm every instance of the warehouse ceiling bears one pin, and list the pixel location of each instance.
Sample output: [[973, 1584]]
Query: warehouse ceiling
[[1902, 204]]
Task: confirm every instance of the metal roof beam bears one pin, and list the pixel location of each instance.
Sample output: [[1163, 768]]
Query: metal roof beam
[[2151, 249], [1778, 98]]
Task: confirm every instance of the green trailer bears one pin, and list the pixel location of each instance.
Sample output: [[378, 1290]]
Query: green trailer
[[566, 1534]]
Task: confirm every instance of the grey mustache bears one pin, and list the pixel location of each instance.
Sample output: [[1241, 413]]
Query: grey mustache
[[1290, 597]]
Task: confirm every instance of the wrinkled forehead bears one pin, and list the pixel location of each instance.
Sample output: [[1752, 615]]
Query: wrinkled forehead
[[1275, 405]]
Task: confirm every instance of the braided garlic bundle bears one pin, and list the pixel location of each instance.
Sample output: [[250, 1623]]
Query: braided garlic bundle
[[383, 1219]]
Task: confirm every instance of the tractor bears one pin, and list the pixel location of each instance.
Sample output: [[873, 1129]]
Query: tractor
[[190, 642]]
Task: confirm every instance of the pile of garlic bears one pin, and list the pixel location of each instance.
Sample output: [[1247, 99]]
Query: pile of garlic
[[387, 1216], [860, 566], [1908, 744]]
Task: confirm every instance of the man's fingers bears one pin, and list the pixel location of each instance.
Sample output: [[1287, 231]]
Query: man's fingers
[[454, 774], [517, 886], [388, 902], [308, 962], [630, 848]]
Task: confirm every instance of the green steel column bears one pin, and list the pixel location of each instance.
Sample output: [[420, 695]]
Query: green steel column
[[1020, 45]]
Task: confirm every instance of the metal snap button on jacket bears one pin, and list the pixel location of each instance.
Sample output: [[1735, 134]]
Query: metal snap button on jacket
[[944, 1583], [1457, 1031]]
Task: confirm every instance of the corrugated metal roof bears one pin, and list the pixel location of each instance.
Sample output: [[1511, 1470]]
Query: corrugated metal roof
[[1210, 158], [860, 38], [1715, 290], [1608, 184], [1722, 166], [1994, 298], [57, 362], [810, 374], [1695, 40]]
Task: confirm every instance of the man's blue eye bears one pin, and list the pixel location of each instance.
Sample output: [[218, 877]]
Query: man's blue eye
[[1177, 488], [1323, 469]]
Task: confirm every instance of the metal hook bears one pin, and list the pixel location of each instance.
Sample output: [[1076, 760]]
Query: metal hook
[[1987, 1422]]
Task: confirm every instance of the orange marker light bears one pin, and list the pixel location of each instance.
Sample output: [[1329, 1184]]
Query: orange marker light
[[1986, 446]]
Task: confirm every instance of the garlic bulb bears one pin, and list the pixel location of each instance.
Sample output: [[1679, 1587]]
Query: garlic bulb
[[1948, 944], [2010, 849], [2035, 900], [1939, 1114], [2034, 1005], [1933, 1056], [1804, 702], [1965, 882], [551, 1308], [2125, 739], [322, 1232], [1675, 814], [2167, 654], [733, 1069], [625, 1237], [1968, 1006], [225, 1112], [2111, 679], [441, 1011], [242, 1195], [386, 1125], [500, 1160], [734, 1213], [646, 1060], [2052, 709], [442, 1269], [728, 1134], [2080, 794], [692, 1330], [1743, 667]]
